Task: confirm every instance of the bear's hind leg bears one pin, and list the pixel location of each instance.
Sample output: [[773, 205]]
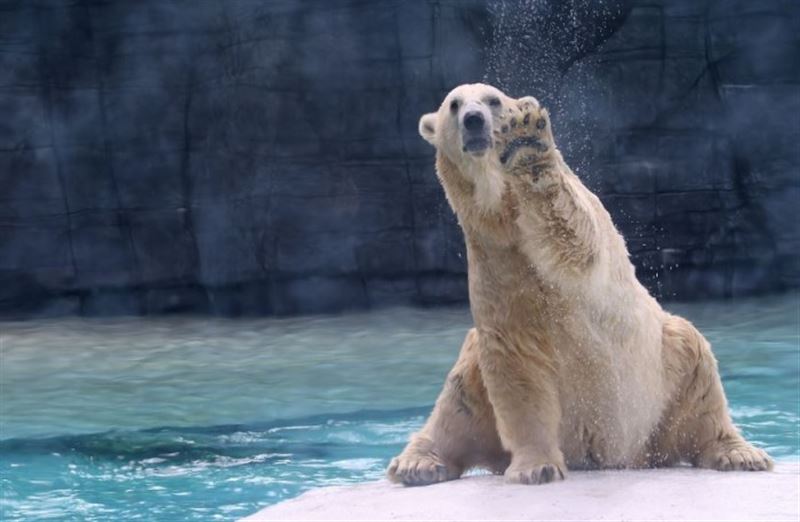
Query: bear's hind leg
[[460, 433], [697, 426]]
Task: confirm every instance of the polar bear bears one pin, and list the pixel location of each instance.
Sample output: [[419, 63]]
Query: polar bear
[[571, 364]]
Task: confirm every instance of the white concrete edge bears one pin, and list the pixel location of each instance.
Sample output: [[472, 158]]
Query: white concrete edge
[[662, 494]]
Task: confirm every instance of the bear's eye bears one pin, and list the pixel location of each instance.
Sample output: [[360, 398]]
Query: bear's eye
[[454, 106], [494, 102]]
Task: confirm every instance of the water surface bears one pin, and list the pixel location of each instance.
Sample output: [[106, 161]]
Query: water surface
[[203, 419]]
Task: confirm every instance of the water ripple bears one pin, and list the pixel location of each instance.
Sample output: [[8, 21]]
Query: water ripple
[[197, 419]]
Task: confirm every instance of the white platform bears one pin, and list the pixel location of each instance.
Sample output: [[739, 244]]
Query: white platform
[[665, 494]]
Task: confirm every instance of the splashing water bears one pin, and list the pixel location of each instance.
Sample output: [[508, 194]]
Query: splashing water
[[541, 48]]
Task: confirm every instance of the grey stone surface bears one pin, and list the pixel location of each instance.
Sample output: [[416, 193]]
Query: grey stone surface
[[244, 157]]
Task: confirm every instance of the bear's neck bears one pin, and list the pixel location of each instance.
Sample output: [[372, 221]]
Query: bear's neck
[[478, 182], [480, 198]]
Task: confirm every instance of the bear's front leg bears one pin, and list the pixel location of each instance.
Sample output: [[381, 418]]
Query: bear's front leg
[[559, 219], [521, 388]]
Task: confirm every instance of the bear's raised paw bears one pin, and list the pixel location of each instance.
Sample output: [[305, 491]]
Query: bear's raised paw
[[523, 139]]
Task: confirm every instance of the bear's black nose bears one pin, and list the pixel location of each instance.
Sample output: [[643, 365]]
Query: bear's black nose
[[473, 121]]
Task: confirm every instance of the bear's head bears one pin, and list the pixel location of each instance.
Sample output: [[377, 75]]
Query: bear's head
[[481, 129], [465, 122]]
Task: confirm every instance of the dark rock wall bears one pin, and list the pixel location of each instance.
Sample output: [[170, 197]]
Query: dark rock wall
[[242, 156], [697, 157]]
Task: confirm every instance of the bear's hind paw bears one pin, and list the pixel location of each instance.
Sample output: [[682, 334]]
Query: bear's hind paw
[[740, 456], [419, 470]]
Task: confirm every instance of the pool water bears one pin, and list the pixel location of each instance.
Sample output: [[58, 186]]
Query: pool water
[[212, 419]]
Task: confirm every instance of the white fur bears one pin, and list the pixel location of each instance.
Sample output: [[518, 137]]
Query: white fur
[[571, 362]]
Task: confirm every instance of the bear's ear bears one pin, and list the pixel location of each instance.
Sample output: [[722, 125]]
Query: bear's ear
[[427, 128]]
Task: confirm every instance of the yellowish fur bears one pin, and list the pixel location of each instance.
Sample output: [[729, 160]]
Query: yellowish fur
[[571, 363]]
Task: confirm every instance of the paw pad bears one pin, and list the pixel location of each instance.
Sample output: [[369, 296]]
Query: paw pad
[[522, 138]]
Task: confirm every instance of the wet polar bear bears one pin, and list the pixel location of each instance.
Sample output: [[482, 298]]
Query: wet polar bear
[[571, 363]]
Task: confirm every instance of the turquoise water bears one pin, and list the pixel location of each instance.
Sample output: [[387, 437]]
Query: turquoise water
[[211, 419]]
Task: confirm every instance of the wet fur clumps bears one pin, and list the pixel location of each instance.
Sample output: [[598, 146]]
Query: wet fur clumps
[[456, 382]]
